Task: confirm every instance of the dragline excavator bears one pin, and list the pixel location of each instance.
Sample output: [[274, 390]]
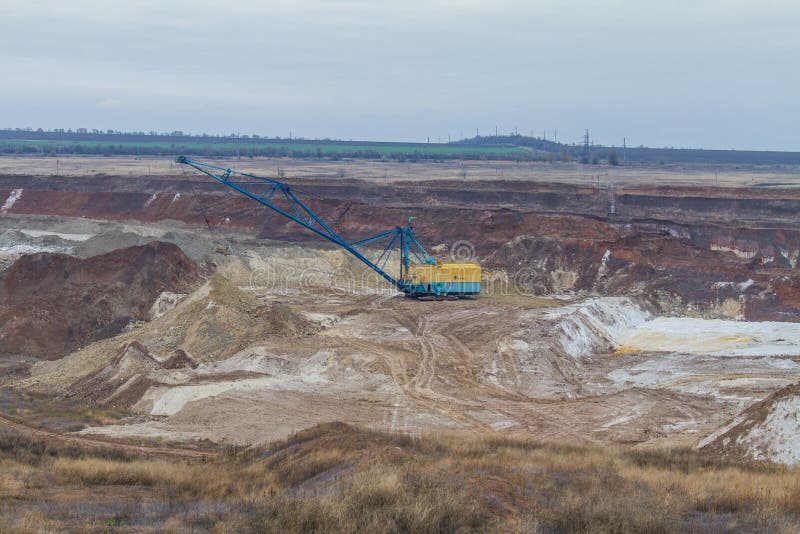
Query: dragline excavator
[[421, 275]]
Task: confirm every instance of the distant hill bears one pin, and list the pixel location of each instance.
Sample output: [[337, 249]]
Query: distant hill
[[639, 154], [501, 147]]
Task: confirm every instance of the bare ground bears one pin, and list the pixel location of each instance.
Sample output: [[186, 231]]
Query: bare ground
[[541, 367], [574, 173]]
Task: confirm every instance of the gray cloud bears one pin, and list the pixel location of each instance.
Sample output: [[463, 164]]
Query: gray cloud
[[717, 74]]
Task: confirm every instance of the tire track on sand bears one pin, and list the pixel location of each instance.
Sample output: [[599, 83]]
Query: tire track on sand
[[413, 386]]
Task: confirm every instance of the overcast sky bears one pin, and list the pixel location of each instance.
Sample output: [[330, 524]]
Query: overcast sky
[[683, 73]]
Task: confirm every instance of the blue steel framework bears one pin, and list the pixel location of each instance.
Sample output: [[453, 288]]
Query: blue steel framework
[[266, 191]]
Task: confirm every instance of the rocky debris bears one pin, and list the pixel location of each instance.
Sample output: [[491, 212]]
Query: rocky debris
[[767, 430], [15, 242], [53, 304], [179, 360]]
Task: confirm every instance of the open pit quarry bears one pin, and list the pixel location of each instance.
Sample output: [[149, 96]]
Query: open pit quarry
[[202, 316]]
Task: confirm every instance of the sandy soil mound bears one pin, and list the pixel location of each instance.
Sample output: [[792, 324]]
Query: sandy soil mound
[[229, 319], [211, 323], [767, 430], [221, 321], [53, 304]]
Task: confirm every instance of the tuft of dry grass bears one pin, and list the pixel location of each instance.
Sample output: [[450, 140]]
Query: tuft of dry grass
[[338, 478]]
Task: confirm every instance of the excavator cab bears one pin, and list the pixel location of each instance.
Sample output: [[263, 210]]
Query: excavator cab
[[443, 279]]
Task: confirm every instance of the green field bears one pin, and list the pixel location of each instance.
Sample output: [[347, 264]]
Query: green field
[[270, 148]]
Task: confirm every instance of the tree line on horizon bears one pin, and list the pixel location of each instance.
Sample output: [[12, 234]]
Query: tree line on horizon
[[84, 141]]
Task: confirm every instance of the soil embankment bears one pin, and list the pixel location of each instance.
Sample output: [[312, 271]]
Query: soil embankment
[[720, 252], [53, 304]]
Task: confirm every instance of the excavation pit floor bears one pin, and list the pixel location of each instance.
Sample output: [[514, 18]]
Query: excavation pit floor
[[584, 371]]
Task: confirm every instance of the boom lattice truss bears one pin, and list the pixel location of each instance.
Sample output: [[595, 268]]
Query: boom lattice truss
[[279, 197]]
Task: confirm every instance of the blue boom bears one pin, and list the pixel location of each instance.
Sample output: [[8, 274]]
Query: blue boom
[[267, 192]]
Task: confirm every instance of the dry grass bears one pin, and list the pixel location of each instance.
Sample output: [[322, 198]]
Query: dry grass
[[44, 411], [337, 478]]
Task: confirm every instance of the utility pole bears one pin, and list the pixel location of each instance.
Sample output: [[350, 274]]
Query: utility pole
[[624, 150], [613, 209], [585, 156]]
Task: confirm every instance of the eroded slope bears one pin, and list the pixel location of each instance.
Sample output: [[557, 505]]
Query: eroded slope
[[53, 304]]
